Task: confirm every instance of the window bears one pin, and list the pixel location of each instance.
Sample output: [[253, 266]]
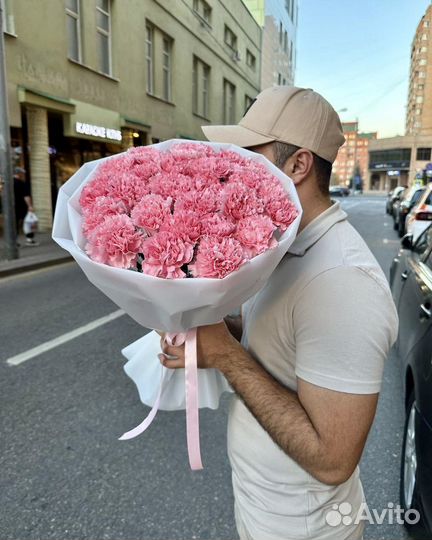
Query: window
[[420, 86], [291, 52], [202, 9], [8, 18], [103, 27], [248, 103], [285, 44], [149, 58], [250, 59], [422, 62], [280, 33], [279, 79], [200, 88], [426, 24], [424, 37], [424, 241], [229, 92], [423, 49], [166, 68], [230, 38], [418, 112], [423, 154], [419, 99], [73, 28], [422, 74]]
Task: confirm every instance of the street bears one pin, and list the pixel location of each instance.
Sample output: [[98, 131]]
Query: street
[[63, 472]]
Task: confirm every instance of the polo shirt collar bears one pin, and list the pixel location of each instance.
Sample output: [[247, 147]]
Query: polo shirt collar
[[317, 229]]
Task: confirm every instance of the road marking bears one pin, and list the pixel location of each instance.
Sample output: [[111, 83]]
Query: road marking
[[385, 240], [56, 342]]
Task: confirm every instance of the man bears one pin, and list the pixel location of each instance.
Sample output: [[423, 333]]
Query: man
[[23, 204], [313, 343]]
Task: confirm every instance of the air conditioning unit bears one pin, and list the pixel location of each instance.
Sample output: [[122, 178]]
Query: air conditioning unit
[[236, 56]]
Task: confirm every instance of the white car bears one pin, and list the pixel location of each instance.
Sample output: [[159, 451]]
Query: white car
[[420, 216]]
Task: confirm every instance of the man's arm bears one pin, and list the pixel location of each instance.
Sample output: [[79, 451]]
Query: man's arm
[[322, 430]]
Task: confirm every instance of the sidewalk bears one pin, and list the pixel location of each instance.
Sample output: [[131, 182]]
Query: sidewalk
[[48, 253]]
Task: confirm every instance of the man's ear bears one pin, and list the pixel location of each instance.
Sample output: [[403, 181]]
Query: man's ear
[[299, 165]]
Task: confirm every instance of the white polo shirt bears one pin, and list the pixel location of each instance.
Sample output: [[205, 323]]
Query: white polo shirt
[[326, 315]]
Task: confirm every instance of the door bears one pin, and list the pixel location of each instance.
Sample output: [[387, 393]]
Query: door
[[415, 302]]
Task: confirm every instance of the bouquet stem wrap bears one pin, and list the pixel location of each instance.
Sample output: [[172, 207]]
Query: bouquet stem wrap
[[189, 339]]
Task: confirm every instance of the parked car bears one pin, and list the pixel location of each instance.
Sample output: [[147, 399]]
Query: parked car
[[420, 216], [411, 284], [402, 207], [339, 191], [394, 194]]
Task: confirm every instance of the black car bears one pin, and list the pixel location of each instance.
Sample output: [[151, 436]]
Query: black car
[[411, 284], [392, 196], [339, 191], [402, 207]]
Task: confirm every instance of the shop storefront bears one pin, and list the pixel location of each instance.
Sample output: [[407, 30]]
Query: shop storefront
[[56, 137]]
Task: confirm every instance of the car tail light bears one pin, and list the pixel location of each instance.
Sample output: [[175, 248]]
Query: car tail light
[[423, 216]]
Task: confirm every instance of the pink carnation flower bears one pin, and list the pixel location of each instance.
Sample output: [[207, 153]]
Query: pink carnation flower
[[279, 206], [164, 255], [115, 242], [99, 210], [151, 212], [217, 257], [217, 225], [184, 224], [191, 150], [255, 233], [206, 201], [169, 184], [239, 201]]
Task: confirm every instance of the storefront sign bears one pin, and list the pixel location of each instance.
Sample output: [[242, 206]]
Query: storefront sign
[[98, 131]]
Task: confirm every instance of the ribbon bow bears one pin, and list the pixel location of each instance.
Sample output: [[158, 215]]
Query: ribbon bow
[[189, 339]]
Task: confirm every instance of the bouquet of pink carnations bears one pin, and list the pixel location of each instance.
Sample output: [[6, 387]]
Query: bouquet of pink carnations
[[178, 234]]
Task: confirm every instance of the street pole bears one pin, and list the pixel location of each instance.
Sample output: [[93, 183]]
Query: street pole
[[8, 203]]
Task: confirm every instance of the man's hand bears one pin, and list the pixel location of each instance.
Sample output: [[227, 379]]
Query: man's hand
[[322, 430], [215, 343]]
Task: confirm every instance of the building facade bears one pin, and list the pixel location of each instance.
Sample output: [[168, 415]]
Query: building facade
[[398, 161], [90, 78], [353, 156], [279, 20], [419, 109]]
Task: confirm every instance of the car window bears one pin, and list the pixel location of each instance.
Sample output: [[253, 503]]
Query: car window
[[428, 261], [416, 195], [424, 242], [429, 198]]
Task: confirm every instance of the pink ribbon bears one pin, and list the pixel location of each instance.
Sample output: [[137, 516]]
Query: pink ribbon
[[191, 392]]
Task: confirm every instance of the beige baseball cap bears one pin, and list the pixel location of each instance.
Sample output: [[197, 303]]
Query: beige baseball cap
[[286, 114]]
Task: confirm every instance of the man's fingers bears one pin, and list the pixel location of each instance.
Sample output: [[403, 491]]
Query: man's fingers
[[170, 350], [171, 363]]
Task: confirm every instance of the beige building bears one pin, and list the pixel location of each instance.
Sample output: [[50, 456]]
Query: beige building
[[398, 161], [419, 109], [88, 78], [279, 20]]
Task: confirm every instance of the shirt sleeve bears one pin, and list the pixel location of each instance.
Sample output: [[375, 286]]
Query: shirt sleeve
[[345, 323]]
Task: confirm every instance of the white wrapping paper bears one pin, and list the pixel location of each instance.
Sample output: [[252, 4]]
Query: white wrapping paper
[[171, 305]]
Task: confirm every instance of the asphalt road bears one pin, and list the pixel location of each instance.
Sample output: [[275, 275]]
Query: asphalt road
[[63, 473]]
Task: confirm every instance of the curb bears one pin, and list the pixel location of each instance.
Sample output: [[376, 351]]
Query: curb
[[20, 266]]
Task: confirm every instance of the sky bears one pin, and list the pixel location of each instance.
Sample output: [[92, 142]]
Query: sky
[[356, 53]]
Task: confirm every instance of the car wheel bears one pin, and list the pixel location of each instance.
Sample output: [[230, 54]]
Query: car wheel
[[395, 225], [408, 476]]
